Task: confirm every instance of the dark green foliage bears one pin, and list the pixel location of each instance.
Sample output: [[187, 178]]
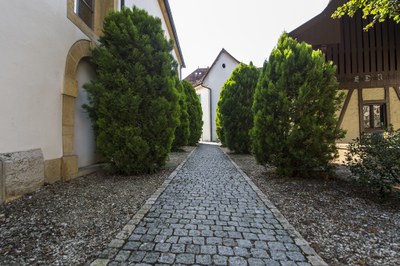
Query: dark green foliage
[[195, 113], [294, 110], [234, 116], [182, 130], [375, 160], [133, 102]]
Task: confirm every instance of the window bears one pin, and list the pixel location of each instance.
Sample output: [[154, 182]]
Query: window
[[85, 10], [374, 116]]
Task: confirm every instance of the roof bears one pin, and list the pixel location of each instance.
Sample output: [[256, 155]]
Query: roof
[[197, 76], [202, 73], [322, 29]]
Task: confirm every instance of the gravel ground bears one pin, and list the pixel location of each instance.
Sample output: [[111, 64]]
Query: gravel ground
[[71, 223], [344, 223]]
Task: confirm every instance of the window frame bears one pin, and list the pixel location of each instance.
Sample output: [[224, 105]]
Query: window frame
[[383, 115], [91, 8]]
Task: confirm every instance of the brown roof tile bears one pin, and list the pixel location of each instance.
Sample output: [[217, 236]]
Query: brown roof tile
[[197, 76]]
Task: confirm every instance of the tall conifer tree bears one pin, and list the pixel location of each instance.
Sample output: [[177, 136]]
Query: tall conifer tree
[[195, 113], [234, 116], [294, 110], [182, 130], [133, 102]]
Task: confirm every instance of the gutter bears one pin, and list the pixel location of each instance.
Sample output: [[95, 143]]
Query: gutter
[[166, 2]]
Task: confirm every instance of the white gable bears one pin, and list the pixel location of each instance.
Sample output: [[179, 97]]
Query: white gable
[[218, 74]]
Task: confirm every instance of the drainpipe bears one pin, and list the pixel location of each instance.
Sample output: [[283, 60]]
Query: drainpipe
[[180, 72], [209, 89]]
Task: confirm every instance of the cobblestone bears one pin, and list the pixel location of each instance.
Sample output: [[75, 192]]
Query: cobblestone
[[210, 213]]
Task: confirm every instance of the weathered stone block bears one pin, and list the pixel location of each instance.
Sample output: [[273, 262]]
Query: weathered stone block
[[68, 144], [71, 86], [22, 172], [52, 171], [69, 167], [68, 110]]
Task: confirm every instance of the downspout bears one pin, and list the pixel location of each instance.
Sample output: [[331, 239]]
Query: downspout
[[209, 89]]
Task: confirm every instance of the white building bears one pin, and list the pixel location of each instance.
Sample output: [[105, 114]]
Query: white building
[[45, 135], [208, 83]]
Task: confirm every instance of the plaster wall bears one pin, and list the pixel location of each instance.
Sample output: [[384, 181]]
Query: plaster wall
[[153, 8], [394, 109], [351, 119], [371, 94], [204, 95], [344, 92], [215, 80], [34, 48]]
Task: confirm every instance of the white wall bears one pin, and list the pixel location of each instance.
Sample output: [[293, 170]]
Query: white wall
[[84, 141], [153, 8], [34, 42], [215, 80], [205, 106]]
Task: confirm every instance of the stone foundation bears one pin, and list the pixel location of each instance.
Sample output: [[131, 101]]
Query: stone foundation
[[20, 173], [52, 171]]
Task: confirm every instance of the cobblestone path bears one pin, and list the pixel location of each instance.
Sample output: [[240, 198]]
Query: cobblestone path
[[209, 214]]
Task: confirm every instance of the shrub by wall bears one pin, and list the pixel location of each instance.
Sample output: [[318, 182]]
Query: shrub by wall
[[182, 130], [195, 113], [374, 159], [133, 102], [234, 115], [294, 110]]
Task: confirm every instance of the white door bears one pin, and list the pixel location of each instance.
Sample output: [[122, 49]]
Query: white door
[[85, 144]]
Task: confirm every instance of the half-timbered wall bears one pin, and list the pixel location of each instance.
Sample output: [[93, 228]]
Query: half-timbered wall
[[367, 57], [368, 69]]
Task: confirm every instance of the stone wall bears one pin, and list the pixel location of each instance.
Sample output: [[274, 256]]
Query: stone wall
[[20, 173]]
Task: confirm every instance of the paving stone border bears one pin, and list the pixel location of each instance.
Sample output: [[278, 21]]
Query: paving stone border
[[123, 236], [311, 254]]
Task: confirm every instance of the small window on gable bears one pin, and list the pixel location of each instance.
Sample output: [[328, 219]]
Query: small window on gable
[[85, 10], [374, 116]]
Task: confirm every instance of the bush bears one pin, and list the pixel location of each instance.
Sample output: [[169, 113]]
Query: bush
[[133, 102], [182, 130], [195, 113], [234, 115], [374, 158], [294, 110]]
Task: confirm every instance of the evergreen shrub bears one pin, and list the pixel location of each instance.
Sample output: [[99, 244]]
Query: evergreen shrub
[[374, 159], [294, 110], [195, 113], [133, 102], [234, 115], [182, 130]]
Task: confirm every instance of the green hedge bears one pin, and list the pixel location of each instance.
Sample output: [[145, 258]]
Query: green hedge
[[234, 115], [134, 101], [294, 110]]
